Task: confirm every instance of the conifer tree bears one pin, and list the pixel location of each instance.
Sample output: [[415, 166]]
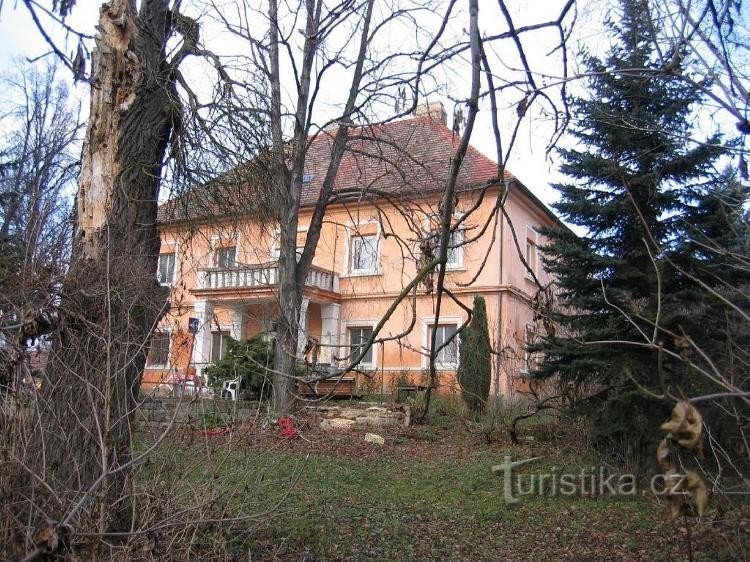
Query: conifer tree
[[475, 359], [711, 275], [632, 172]]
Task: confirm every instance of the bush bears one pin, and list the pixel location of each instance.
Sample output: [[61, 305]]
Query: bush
[[496, 419], [475, 359], [250, 361]]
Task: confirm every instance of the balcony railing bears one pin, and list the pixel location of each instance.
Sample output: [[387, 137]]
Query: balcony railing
[[261, 276]]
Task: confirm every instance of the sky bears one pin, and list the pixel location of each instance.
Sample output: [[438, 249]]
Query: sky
[[529, 160]]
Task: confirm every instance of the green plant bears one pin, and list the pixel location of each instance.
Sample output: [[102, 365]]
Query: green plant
[[399, 381], [475, 359], [210, 420], [637, 289], [249, 361], [417, 404], [495, 419]]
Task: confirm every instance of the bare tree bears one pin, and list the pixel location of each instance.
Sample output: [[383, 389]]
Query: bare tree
[[712, 39], [39, 166], [79, 460], [110, 301], [297, 64]]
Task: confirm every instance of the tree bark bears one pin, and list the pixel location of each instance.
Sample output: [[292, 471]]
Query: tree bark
[[111, 299], [290, 301]]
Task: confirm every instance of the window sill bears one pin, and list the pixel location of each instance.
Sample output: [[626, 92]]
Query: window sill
[[371, 273], [156, 367], [442, 366]]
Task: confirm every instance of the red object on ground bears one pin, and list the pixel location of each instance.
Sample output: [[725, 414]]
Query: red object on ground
[[215, 431], [288, 431]]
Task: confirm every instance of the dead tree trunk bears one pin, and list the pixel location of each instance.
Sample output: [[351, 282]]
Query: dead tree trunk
[[111, 299]]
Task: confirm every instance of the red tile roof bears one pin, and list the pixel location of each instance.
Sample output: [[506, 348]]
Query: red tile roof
[[404, 157]]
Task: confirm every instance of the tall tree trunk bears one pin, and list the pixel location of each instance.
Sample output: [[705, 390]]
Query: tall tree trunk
[[290, 300], [111, 299]]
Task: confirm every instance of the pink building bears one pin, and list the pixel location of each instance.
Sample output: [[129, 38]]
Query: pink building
[[221, 264]]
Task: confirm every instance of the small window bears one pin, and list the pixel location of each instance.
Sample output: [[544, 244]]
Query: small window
[[455, 255], [158, 353], [364, 253], [165, 272], [530, 359], [455, 249], [358, 337], [219, 346], [531, 251], [225, 257], [447, 356], [307, 179]]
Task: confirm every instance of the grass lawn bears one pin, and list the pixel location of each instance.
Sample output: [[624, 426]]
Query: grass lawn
[[429, 493]]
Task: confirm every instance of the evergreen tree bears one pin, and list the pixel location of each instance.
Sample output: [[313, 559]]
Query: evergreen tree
[[631, 174], [711, 265], [475, 359]]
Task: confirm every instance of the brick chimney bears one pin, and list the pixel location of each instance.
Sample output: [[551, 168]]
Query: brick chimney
[[433, 109]]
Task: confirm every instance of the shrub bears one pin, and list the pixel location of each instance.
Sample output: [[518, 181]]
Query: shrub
[[496, 419], [475, 359], [249, 361], [401, 380]]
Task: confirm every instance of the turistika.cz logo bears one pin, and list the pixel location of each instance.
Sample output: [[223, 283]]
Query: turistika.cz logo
[[588, 482]]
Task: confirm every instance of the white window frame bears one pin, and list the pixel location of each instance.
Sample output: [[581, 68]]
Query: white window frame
[[428, 323], [352, 232], [274, 250], [458, 244], [170, 282], [169, 351], [532, 241], [457, 248], [529, 337], [217, 253], [364, 241], [225, 331], [368, 364], [346, 350], [218, 242]]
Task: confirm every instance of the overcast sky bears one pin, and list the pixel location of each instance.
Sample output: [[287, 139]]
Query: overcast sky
[[529, 160]]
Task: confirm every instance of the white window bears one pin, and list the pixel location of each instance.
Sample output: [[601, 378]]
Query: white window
[[274, 249], [529, 359], [165, 272], [447, 355], [158, 353], [455, 257], [531, 251], [226, 257], [358, 337], [364, 254], [219, 346]]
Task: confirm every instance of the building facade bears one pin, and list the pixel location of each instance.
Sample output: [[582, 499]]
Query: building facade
[[221, 268]]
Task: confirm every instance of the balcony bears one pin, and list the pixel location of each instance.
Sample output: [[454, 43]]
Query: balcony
[[260, 278]]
